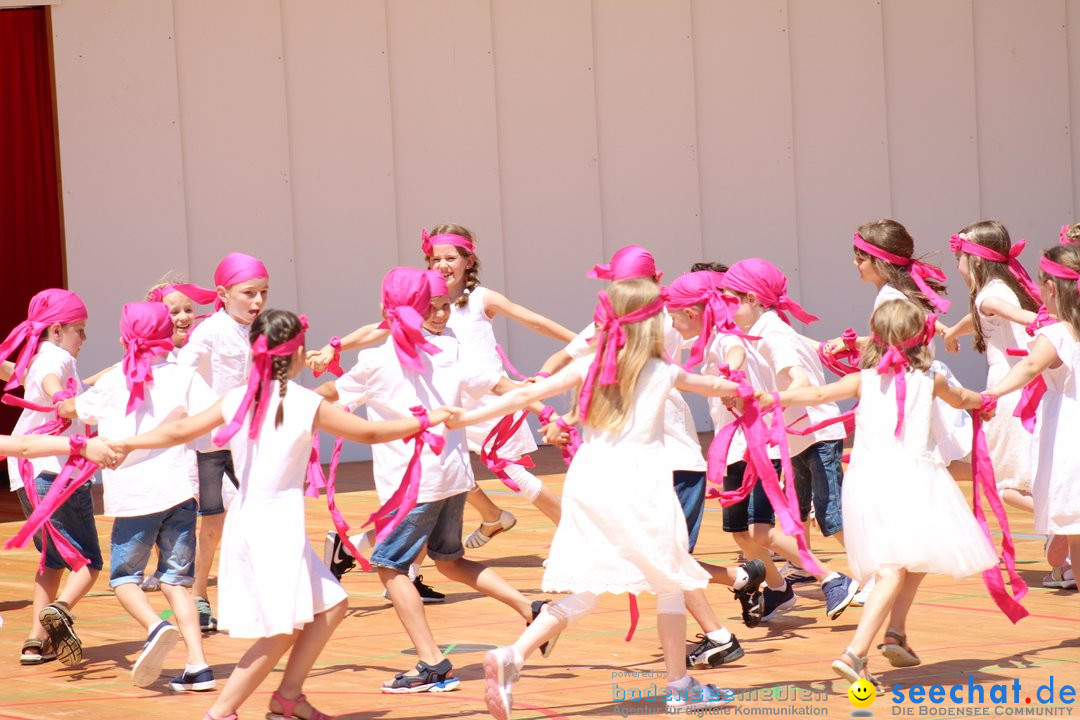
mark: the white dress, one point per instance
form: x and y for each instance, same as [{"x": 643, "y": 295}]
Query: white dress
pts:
[
  {"x": 270, "y": 580},
  {"x": 473, "y": 329},
  {"x": 1056, "y": 487},
  {"x": 622, "y": 528},
  {"x": 901, "y": 507},
  {"x": 1009, "y": 443}
]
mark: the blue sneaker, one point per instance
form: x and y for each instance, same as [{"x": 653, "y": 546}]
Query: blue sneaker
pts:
[
  {"x": 147, "y": 667},
  {"x": 697, "y": 696},
  {"x": 838, "y": 594},
  {"x": 777, "y": 602},
  {"x": 199, "y": 681}
]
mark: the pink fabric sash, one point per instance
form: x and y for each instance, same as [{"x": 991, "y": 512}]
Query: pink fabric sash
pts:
[
  {"x": 920, "y": 271},
  {"x": 316, "y": 481},
  {"x": 146, "y": 329},
  {"x": 765, "y": 280},
  {"x": 262, "y": 364},
  {"x": 500, "y": 433},
  {"x": 983, "y": 482},
  {"x": 50, "y": 427},
  {"x": 1042, "y": 319},
  {"x": 401, "y": 503},
  {"x": 842, "y": 362},
  {"x": 629, "y": 262},
  {"x": 236, "y": 268},
  {"x": 507, "y": 364},
  {"x": 1028, "y": 405},
  {"x": 197, "y": 293},
  {"x": 428, "y": 242},
  {"x": 1053, "y": 269},
  {"x": 610, "y": 338},
  {"x": 334, "y": 366},
  {"x": 406, "y": 299},
  {"x": 571, "y": 448},
  {"x": 960, "y": 243},
  {"x": 46, "y": 308},
  {"x": 634, "y": 615},
  {"x": 718, "y": 315}
]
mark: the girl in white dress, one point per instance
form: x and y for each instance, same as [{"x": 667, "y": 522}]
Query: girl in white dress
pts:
[
  {"x": 618, "y": 500},
  {"x": 904, "y": 515},
  {"x": 1056, "y": 355},
  {"x": 273, "y": 585}
]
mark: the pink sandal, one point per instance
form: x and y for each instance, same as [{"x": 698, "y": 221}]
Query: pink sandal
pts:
[{"x": 287, "y": 707}]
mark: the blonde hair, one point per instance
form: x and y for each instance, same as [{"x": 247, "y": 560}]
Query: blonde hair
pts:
[
  {"x": 472, "y": 274},
  {"x": 897, "y": 323},
  {"x": 1068, "y": 293},
  {"x": 170, "y": 278},
  {"x": 1072, "y": 234},
  {"x": 612, "y": 405}
]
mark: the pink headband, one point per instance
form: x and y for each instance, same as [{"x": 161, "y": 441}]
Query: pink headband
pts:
[
  {"x": 704, "y": 287},
  {"x": 237, "y": 268},
  {"x": 47, "y": 307},
  {"x": 920, "y": 271},
  {"x": 436, "y": 283},
  {"x": 629, "y": 262},
  {"x": 895, "y": 360},
  {"x": 960, "y": 243},
  {"x": 428, "y": 242},
  {"x": 146, "y": 328},
  {"x": 610, "y": 338},
  {"x": 1053, "y": 269},
  {"x": 766, "y": 281},
  {"x": 262, "y": 368},
  {"x": 406, "y": 299},
  {"x": 1064, "y": 239},
  {"x": 196, "y": 293}
]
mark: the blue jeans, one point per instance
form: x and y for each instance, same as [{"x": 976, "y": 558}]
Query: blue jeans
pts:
[
  {"x": 755, "y": 509},
  {"x": 133, "y": 538},
  {"x": 690, "y": 487},
  {"x": 819, "y": 474},
  {"x": 213, "y": 467},
  {"x": 74, "y": 520},
  {"x": 437, "y": 523}
]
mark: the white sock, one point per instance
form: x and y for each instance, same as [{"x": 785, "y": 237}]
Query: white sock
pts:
[
  {"x": 830, "y": 576},
  {"x": 414, "y": 570},
  {"x": 741, "y": 577},
  {"x": 680, "y": 684},
  {"x": 722, "y": 636},
  {"x": 192, "y": 669}
]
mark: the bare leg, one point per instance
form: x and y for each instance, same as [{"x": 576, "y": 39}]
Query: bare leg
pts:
[
  {"x": 549, "y": 503},
  {"x": 697, "y": 604},
  {"x": 786, "y": 545},
  {"x": 719, "y": 574},
  {"x": 753, "y": 549},
  {"x": 187, "y": 621},
  {"x": 672, "y": 630},
  {"x": 309, "y": 643},
  {"x": 46, "y": 585},
  {"x": 481, "y": 503},
  {"x": 410, "y": 611},
  {"x": 134, "y": 601},
  {"x": 877, "y": 608},
  {"x": 904, "y": 600},
  {"x": 1019, "y": 499},
  {"x": 486, "y": 580},
  {"x": 77, "y": 585},
  {"x": 1074, "y": 552},
  {"x": 253, "y": 668},
  {"x": 210, "y": 527},
  {"x": 546, "y": 626}
]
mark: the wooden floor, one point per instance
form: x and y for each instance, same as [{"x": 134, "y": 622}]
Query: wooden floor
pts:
[{"x": 954, "y": 627}]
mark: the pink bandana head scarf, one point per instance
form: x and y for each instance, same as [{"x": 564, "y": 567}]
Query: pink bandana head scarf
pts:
[
  {"x": 236, "y": 268},
  {"x": 198, "y": 294},
  {"x": 262, "y": 375},
  {"x": 428, "y": 242},
  {"x": 406, "y": 299},
  {"x": 632, "y": 261},
  {"x": 610, "y": 338},
  {"x": 436, "y": 283},
  {"x": 718, "y": 315},
  {"x": 47, "y": 307},
  {"x": 960, "y": 243},
  {"x": 920, "y": 271},
  {"x": 766, "y": 281},
  {"x": 894, "y": 360},
  {"x": 146, "y": 328}
]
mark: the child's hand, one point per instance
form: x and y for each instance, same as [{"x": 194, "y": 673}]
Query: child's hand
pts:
[
  {"x": 317, "y": 360},
  {"x": 448, "y": 415},
  {"x": 952, "y": 340},
  {"x": 555, "y": 435},
  {"x": 765, "y": 400},
  {"x": 987, "y": 406},
  {"x": 99, "y": 452},
  {"x": 833, "y": 346}
]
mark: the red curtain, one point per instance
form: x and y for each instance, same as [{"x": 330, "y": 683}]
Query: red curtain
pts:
[{"x": 30, "y": 238}]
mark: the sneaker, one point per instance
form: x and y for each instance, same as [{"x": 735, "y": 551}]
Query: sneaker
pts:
[
  {"x": 752, "y": 601},
  {"x": 1060, "y": 577},
  {"x": 537, "y": 606},
  {"x": 147, "y": 668},
  {"x": 150, "y": 583},
  {"x": 777, "y": 602},
  {"x": 428, "y": 678},
  {"x": 199, "y": 681},
  {"x": 336, "y": 557},
  {"x": 500, "y": 674},
  {"x": 207, "y": 621},
  {"x": 697, "y": 696},
  {"x": 59, "y": 623},
  {"x": 864, "y": 593},
  {"x": 795, "y": 574},
  {"x": 838, "y": 594},
  {"x": 709, "y": 653},
  {"x": 428, "y": 594}
]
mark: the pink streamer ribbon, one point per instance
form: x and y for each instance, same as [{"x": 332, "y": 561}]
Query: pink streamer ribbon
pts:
[
  {"x": 1028, "y": 406},
  {"x": 959, "y": 243},
  {"x": 635, "y": 613},
  {"x": 498, "y": 437},
  {"x": 1042, "y": 319},
  {"x": 317, "y": 481},
  {"x": 201, "y": 295},
  {"x": 920, "y": 271},
  {"x": 844, "y": 361},
  {"x": 334, "y": 366},
  {"x": 507, "y": 364}
]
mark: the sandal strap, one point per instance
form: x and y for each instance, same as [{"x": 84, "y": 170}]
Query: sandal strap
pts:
[
  {"x": 33, "y": 644},
  {"x": 900, "y": 637},
  {"x": 287, "y": 705}
]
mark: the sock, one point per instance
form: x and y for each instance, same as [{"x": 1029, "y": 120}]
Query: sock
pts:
[
  {"x": 741, "y": 577},
  {"x": 782, "y": 588},
  {"x": 722, "y": 636},
  {"x": 830, "y": 576},
  {"x": 414, "y": 570},
  {"x": 192, "y": 669},
  {"x": 680, "y": 684}
]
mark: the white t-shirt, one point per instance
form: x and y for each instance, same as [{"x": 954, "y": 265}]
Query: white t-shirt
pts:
[
  {"x": 379, "y": 381},
  {"x": 757, "y": 374},
  {"x": 219, "y": 349},
  {"x": 148, "y": 481},
  {"x": 782, "y": 348},
  {"x": 50, "y": 360}
]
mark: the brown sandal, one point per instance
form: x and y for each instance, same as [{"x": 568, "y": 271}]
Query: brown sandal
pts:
[
  {"x": 899, "y": 654},
  {"x": 36, "y": 652},
  {"x": 852, "y": 668}
]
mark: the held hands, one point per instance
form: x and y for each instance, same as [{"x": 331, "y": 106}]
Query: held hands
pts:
[
  {"x": 765, "y": 400},
  {"x": 952, "y": 340},
  {"x": 833, "y": 346},
  {"x": 317, "y": 360},
  {"x": 444, "y": 415},
  {"x": 555, "y": 435},
  {"x": 104, "y": 453}
]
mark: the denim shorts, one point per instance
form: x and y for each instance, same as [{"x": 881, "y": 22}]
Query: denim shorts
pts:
[
  {"x": 437, "y": 523},
  {"x": 74, "y": 520},
  {"x": 133, "y": 538},
  {"x": 690, "y": 487},
  {"x": 755, "y": 509},
  {"x": 213, "y": 467},
  {"x": 819, "y": 476}
]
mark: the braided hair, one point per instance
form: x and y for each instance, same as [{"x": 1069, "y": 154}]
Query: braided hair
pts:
[{"x": 278, "y": 326}]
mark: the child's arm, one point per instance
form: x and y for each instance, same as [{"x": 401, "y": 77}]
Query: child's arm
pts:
[
  {"x": 843, "y": 389},
  {"x": 361, "y": 337},
  {"x": 7, "y": 369},
  {"x": 506, "y": 385},
  {"x": 92, "y": 380},
  {"x": 707, "y": 385},
  {"x": 837, "y": 344},
  {"x": 496, "y": 303},
  {"x": 958, "y": 397},
  {"x": 1042, "y": 356},
  {"x": 33, "y": 446},
  {"x": 556, "y": 362},
  {"x": 66, "y": 409},
  {"x": 952, "y": 335},
  {"x": 175, "y": 432},
  {"x": 518, "y": 398},
  {"x": 793, "y": 378},
  {"x": 337, "y": 421},
  {"x": 1005, "y": 309},
  {"x": 328, "y": 390}
]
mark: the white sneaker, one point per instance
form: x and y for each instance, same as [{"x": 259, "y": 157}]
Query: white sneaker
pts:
[
  {"x": 500, "y": 674},
  {"x": 147, "y": 667}
]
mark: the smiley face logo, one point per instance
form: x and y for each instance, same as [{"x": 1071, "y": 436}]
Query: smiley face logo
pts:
[{"x": 862, "y": 694}]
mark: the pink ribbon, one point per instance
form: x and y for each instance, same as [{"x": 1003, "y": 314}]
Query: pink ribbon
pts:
[
  {"x": 499, "y": 435},
  {"x": 406, "y": 299},
  {"x": 1062, "y": 272},
  {"x": 401, "y": 503},
  {"x": 316, "y": 481},
  {"x": 428, "y": 242},
  {"x": 146, "y": 329},
  {"x": 634, "y": 615},
  {"x": 769, "y": 284},
  {"x": 845, "y": 361},
  {"x": 507, "y": 364},
  {"x": 46, "y": 308},
  {"x": 983, "y": 482},
  {"x": 334, "y": 366},
  {"x": 610, "y": 338},
  {"x": 235, "y": 268},
  {"x": 262, "y": 364},
  {"x": 571, "y": 448},
  {"x": 197, "y": 293},
  {"x": 1042, "y": 319},
  {"x": 959, "y": 243},
  {"x": 894, "y": 360},
  {"x": 1028, "y": 405},
  {"x": 920, "y": 271},
  {"x": 628, "y": 262}
]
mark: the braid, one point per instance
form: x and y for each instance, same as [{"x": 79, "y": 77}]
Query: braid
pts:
[
  {"x": 281, "y": 369},
  {"x": 472, "y": 281}
]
